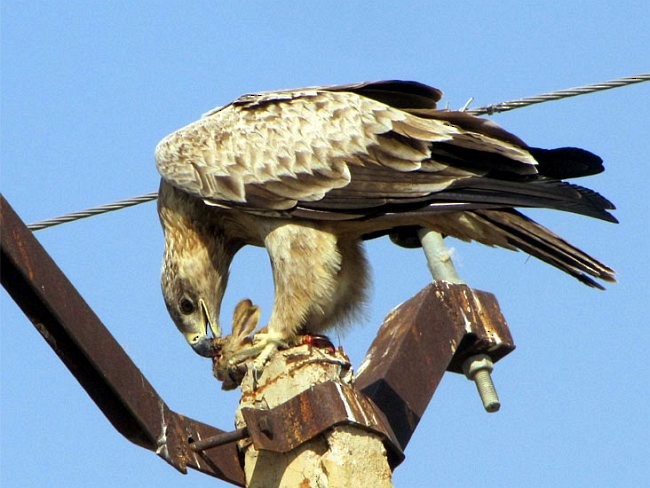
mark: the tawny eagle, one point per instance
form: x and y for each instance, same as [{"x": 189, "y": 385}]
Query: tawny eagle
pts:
[{"x": 311, "y": 173}]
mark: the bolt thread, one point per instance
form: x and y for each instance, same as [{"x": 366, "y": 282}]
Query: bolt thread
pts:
[{"x": 486, "y": 390}]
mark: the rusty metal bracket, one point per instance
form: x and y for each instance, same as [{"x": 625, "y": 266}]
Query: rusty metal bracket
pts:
[
  {"x": 433, "y": 332},
  {"x": 98, "y": 362},
  {"x": 314, "y": 411},
  {"x": 308, "y": 415}
]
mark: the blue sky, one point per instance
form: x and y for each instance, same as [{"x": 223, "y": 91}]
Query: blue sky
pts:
[{"x": 89, "y": 88}]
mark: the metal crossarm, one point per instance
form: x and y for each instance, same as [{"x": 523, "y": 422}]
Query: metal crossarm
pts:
[{"x": 98, "y": 362}]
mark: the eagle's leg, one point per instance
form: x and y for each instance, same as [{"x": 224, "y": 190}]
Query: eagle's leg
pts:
[
  {"x": 319, "y": 279},
  {"x": 267, "y": 343}
]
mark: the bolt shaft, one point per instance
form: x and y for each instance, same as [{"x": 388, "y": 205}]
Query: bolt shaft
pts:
[
  {"x": 219, "y": 439},
  {"x": 486, "y": 390},
  {"x": 477, "y": 368}
]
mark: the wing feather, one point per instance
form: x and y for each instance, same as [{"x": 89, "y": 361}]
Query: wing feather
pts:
[
  {"x": 380, "y": 154},
  {"x": 365, "y": 147}
]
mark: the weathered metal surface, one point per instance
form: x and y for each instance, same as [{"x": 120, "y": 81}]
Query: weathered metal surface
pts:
[
  {"x": 312, "y": 412},
  {"x": 222, "y": 462},
  {"x": 98, "y": 362},
  {"x": 220, "y": 439},
  {"x": 486, "y": 330},
  {"x": 433, "y": 332}
]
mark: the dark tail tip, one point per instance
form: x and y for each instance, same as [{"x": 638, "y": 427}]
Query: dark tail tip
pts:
[{"x": 566, "y": 162}]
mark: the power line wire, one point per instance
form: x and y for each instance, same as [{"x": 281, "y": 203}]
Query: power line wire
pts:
[
  {"x": 488, "y": 109},
  {"x": 559, "y": 94},
  {"x": 129, "y": 202}
]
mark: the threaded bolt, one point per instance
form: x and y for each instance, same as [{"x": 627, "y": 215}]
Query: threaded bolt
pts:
[{"x": 478, "y": 368}]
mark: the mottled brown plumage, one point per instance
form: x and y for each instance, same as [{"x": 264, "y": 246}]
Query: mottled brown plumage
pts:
[{"x": 310, "y": 173}]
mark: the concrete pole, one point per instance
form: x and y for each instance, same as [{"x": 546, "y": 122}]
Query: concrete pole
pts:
[{"x": 343, "y": 456}]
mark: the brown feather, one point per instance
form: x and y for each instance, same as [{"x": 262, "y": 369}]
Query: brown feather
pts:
[{"x": 310, "y": 173}]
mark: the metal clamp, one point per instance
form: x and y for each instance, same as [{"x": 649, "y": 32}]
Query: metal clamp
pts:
[{"x": 308, "y": 415}]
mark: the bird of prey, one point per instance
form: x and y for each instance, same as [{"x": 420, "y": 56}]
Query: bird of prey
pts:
[{"x": 311, "y": 173}]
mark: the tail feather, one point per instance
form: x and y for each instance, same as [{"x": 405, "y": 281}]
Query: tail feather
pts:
[
  {"x": 566, "y": 162},
  {"x": 553, "y": 194},
  {"x": 531, "y": 237}
]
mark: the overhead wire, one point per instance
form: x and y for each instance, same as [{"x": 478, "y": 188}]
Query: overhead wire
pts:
[
  {"x": 109, "y": 207},
  {"x": 485, "y": 110},
  {"x": 559, "y": 94}
]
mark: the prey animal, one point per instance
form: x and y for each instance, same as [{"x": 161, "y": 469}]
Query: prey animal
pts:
[{"x": 311, "y": 173}]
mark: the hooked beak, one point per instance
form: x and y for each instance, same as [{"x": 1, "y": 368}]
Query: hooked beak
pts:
[{"x": 202, "y": 343}]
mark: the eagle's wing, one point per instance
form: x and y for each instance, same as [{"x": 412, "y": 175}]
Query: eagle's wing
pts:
[
  {"x": 383, "y": 150},
  {"x": 353, "y": 150}
]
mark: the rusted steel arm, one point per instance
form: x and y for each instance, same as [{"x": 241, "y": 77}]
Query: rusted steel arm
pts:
[
  {"x": 98, "y": 362},
  {"x": 433, "y": 332}
]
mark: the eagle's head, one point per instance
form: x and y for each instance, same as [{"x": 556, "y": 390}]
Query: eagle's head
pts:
[
  {"x": 194, "y": 311},
  {"x": 194, "y": 272}
]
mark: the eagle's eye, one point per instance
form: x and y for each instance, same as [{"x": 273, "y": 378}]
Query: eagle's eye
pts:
[{"x": 186, "y": 306}]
